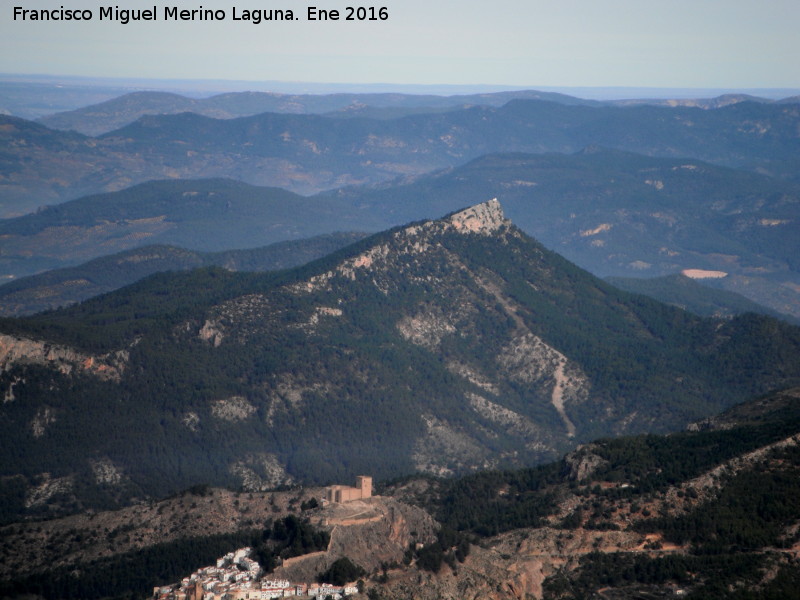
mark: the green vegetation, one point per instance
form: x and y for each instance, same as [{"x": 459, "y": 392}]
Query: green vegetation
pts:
[
  {"x": 653, "y": 463},
  {"x": 334, "y": 388},
  {"x": 451, "y": 547},
  {"x": 491, "y": 502},
  {"x": 624, "y": 570},
  {"x": 342, "y": 571},
  {"x": 215, "y": 217},
  {"x": 669, "y": 199},
  {"x": 753, "y": 510},
  {"x": 288, "y": 537},
  {"x": 58, "y": 287},
  {"x": 704, "y": 300},
  {"x": 735, "y": 535}
]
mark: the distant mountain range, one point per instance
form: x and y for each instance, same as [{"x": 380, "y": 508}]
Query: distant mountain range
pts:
[
  {"x": 614, "y": 213},
  {"x": 115, "y": 113},
  {"x": 224, "y": 330},
  {"x": 209, "y": 215},
  {"x": 309, "y": 153},
  {"x": 35, "y": 96},
  {"x": 442, "y": 347}
]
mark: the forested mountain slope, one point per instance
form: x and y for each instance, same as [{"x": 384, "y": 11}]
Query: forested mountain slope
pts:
[
  {"x": 704, "y": 514},
  {"x": 442, "y": 347},
  {"x": 209, "y": 215}
]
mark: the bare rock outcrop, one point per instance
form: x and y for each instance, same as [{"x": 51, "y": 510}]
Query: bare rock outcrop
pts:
[
  {"x": 16, "y": 350},
  {"x": 482, "y": 219},
  {"x": 370, "y": 533},
  {"x": 583, "y": 462},
  {"x": 485, "y": 218},
  {"x": 233, "y": 409},
  {"x": 260, "y": 471}
]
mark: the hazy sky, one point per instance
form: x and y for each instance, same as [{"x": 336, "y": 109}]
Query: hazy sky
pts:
[{"x": 656, "y": 43}]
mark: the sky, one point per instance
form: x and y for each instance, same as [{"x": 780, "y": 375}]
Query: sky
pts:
[{"x": 734, "y": 44}]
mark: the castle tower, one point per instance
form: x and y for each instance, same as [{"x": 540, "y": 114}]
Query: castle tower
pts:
[{"x": 364, "y": 483}]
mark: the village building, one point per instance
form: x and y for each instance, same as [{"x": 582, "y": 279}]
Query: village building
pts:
[{"x": 235, "y": 577}]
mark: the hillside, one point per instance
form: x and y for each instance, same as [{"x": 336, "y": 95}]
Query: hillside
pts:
[
  {"x": 708, "y": 513},
  {"x": 208, "y": 215},
  {"x": 62, "y": 287},
  {"x": 607, "y": 209},
  {"x": 689, "y": 294},
  {"x": 441, "y": 347},
  {"x": 621, "y": 214},
  {"x": 42, "y": 166},
  {"x": 749, "y": 135},
  {"x": 310, "y": 153}
]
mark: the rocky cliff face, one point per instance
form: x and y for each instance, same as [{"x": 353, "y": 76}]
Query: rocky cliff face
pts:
[
  {"x": 371, "y": 533},
  {"x": 19, "y": 350},
  {"x": 486, "y": 218}
]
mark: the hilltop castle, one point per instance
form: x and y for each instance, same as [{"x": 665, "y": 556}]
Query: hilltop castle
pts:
[{"x": 343, "y": 493}]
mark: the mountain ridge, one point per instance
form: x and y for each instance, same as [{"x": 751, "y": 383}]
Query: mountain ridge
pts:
[
  {"x": 689, "y": 294},
  {"x": 61, "y": 287},
  {"x": 117, "y": 112},
  {"x": 208, "y": 215},
  {"x": 310, "y": 153},
  {"x": 114, "y": 113},
  {"x": 615, "y": 213},
  {"x": 441, "y": 346}
]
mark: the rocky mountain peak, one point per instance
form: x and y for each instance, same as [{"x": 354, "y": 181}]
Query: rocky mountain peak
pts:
[{"x": 484, "y": 218}]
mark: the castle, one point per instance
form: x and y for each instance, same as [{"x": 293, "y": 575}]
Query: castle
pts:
[{"x": 343, "y": 493}]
